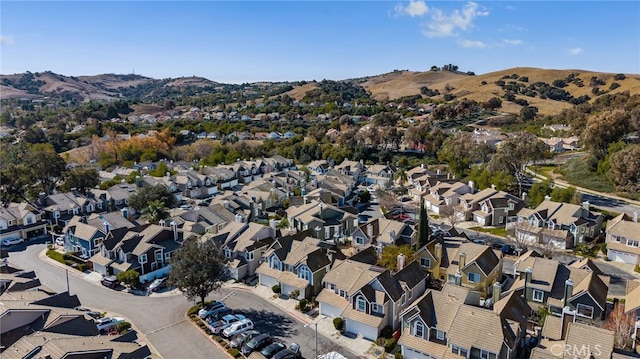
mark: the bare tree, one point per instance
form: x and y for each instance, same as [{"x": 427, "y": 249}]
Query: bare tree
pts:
[
  {"x": 622, "y": 324},
  {"x": 449, "y": 213}
]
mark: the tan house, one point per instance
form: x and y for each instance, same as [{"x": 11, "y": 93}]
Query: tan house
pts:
[
  {"x": 470, "y": 202},
  {"x": 446, "y": 195},
  {"x": 381, "y": 232},
  {"x": 451, "y": 324},
  {"x": 623, "y": 239},
  {"x": 244, "y": 245},
  {"x": 563, "y": 337},
  {"x": 21, "y": 220},
  {"x": 562, "y": 225},
  {"x": 368, "y": 297},
  {"x": 498, "y": 210},
  {"x": 327, "y": 222},
  {"x": 460, "y": 262}
]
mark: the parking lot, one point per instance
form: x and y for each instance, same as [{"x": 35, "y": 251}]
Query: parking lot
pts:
[{"x": 272, "y": 320}]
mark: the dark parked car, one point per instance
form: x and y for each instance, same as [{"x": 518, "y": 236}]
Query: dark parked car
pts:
[
  {"x": 238, "y": 340},
  {"x": 508, "y": 249},
  {"x": 271, "y": 349},
  {"x": 292, "y": 353},
  {"x": 256, "y": 343},
  {"x": 110, "y": 281}
]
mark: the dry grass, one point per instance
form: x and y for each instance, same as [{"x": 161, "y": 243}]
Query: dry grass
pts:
[
  {"x": 141, "y": 109},
  {"x": 409, "y": 83},
  {"x": 191, "y": 81},
  {"x": 299, "y": 91}
]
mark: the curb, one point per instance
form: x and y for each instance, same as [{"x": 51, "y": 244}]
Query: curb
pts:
[{"x": 223, "y": 350}]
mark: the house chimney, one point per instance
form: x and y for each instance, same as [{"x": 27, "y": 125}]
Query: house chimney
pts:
[
  {"x": 497, "y": 290},
  {"x": 196, "y": 213},
  {"x": 174, "y": 228},
  {"x": 527, "y": 275},
  {"x": 493, "y": 186},
  {"x": 238, "y": 218},
  {"x": 225, "y": 203},
  {"x": 400, "y": 262},
  {"x": 161, "y": 222},
  {"x": 330, "y": 253},
  {"x": 125, "y": 212},
  {"x": 422, "y": 165},
  {"x": 370, "y": 231},
  {"x": 438, "y": 251},
  {"x": 392, "y": 236},
  {"x": 568, "y": 290},
  {"x": 167, "y": 174},
  {"x": 438, "y": 172},
  {"x": 587, "y": 207},
  {"x": 472, "y": 185},
  {"x": 458, "y": 278},
  {"x": 138, "y": 181},
  {"x": 106, "y": 226},
  {"x": 524, "y": 196},
  {"x": 462, "y": 261},
  {"x": 274, "y": 227},
  {"x": 635, "y": 217},
  {"x": 568, "y": 317},
  {"x": 74, "y": 190},
  {"x": 42, "y": 199},
  {"x": 547, "y": 198}
]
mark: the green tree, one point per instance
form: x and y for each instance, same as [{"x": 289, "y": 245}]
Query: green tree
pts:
[
  {"x": 423, "y": 225},
  {"x": 389, "y": 256},
  {"x": 604, "y": 129},
  {"x": 154, "y": 212},
  {"x": 45, "y": 166},
  {"x": 197, "y": 269},
  {"x": 537, "y": 192},
  {"x": 81, "y": 178},
  {"x": 566, "y": 195},
  {"x": 147, "y": 194},
  {"x": 625, "y": 168},
  {"x": 401, "y": 176},
  {"x": 130, "y": 277}
]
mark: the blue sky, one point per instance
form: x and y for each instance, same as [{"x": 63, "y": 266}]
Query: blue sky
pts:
[{"x": 244, "y": 41}]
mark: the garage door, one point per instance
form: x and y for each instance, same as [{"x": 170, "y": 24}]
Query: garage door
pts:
[
  {"x": 330, "y": 310},
  {"x": 622, "y": 257},
  {"x": 365, "y": 331},
  {"x": 409, "y": 353},
  {"x": 267, "y": 281},
  {"x": 286, "y": 289}
]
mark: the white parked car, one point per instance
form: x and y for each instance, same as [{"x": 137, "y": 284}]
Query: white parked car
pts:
[
  {"x": 238, "y": 327},
  {"x": 11, "y": 241},
  {"x": 108, "y": 322},
  {"x": 225, "y": 322}
]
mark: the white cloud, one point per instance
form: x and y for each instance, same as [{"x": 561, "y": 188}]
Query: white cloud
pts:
[
  {"x": 6, "y": 40},
  {"x": 512, "y": 42},
  {"x": 443, "y": 25},
  {"x": 472, "y": 44},
  {"x": 415, "y": 8},
  {"x": 576, "y": 51}
]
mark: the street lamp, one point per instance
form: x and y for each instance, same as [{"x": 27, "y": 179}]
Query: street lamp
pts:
[{"x": 316, "y": 330}]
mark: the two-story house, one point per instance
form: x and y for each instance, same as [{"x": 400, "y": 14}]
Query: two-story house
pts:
[
  {"x": 354, "y": 169},
  {"x": 21, "y": 220},
  {"x": 470, "y": 202},
  {"x": 277, "y": 163},
  {"x": 581, "y": 340},
  {"x": 327, "y": 222},
  {"x": 580, "y": 287},
  {"x": 61, "y": 207},
  {"x": 379, "y": 174},
  {"x": 381, "y": 232},
  {"x": 460, "y": 262},
  {"x": 223, "y": 178},
  {"x": 623, "y": 239},
  {"x": 498, "y": 210},
  {"x": 297, "y": 265},
  {"x": 450, "y": 323},
  {"x": 369, "y": 298},
  {"x": 115, "y": 197},
  {"x": 446, "y": 195},
  {"x": 562, "y": 225},
  {"x": 632, "y": 307},
  {"x": 319, "y": 167}
]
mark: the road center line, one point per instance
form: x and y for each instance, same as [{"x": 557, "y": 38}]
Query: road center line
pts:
[{"x": 165, "y": 327}]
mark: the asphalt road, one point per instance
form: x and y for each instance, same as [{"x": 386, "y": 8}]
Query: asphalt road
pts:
[{"x": 161, "y": 320}]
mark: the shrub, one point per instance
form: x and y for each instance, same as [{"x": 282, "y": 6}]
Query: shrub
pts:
[
  {"x": 338, "y": 323},
  {"x": 603, "y": 248},
  {"x": 637, "y": 268},
  {"x": 619, "y": 77},
  {"x": 386, "y": 332},
  {"x": 233, "y": 352},
  {"x": 194, "y": 310},
  {"x": 276, "y": 289},
  {"x": 218, "y": 338},
  {"x": 130, "y": 277},
  {"x": 390, "y": 345},
  {"x": 56, "y": 256},
  {"x": 398, "y": 355},
  {"x": 302, "y": 305},
  {"x": 294, "y": 293},
  {"x": 614, "y": 85},
  {"x": 123, "y": 327}
]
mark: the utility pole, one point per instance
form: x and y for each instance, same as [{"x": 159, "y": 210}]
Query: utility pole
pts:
[{"x": 67, "y": 273}]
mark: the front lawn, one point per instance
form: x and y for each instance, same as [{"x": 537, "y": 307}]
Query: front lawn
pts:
[{"x": 502, "y": 232}]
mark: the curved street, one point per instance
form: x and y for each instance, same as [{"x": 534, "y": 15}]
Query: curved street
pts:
[{"x": 160, "y": 320}]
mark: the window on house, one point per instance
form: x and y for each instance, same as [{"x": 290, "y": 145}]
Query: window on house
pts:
[
  {"x": 274, "y": 263},
  {"x": 538, "y": 295},
  {"x": 585, "y": 310},
  {"x": 249, "y": 256},
  {"x": 361, "y": 304},
  {"x": 633, "y": 243},
  {"x": 304, "y": 273},
  {"x": 458, "y": 350},
  {"x": 484, "y": 354},
  {"x": 332, "y": 287},
  {"x": 439, "y": 335},
  {"x": 501, "y": 219},
  {"x": 343, "y": 293},
  {"x": 154, "y": 266},
  {"x": 418, "y": 329},
  {"x": 473, "y": 277},
  {"x": 29, "y": 220},
  {"x": 227, "y": 252},
  {"x": 359, "y": 241},
  {"x": 511, "y": 207},
  {"x": 425, "y": 262},
  {"x": 158, "y": 255},
  {"x": 97, "y": 242},
  {"x": 404, "y": 299},
  {"x": 167, "y": 257},
  {"x": 143, "y": 258},
  {"x": 220, "y": 226}
]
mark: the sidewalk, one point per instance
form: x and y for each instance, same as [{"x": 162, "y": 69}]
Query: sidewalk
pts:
[{"x": 358, "y": 346}]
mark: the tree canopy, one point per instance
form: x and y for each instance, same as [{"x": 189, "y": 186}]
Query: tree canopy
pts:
[
  {"x": 389, "y": 256},
  {"x": 197, "y": 269},
  {"x": 148, "y": 194}
]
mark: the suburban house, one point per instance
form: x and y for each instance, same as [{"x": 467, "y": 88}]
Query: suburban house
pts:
[
  {"x": 193, "y": 184},
  {"x": 470, "y": 202},
  {"x": 207, "y": 219},
  {"x": 265, "y": 194},
  {"x": 337, "y": 182},
  {"x": 297, "y": 265},
  {"x": 369, "y": 298},
  {"x": 224, "y": 178},
  {"x": 380, "y": 174},
  {"x": 446, "y": 195},
  {"x": 420, "y": 186},
  {"x": 83, "y": 238},
  {"x": 623, "y": 239},
  {"x": 632, "y": 306},
  {"x": 327, "y": 222},
  {"x": 458, "y": 261},
  {"x": 21, "y": 220},
  {"x": 580, "y": 287},
  {"x": 243, "y": 244},
  {"x": 277, "y": 163},
  {"x": 115, "y": 197},
  {"x": 581, "y": 340},
  {"x": 319, "y": 167},
  {"x": 562, "y": 225},
  {"x": 381, "y": 232},
  {"x": 61, "y": 207},
  {"x": 451, "y": 324},
  {"x": 353, "y": 169},
  {"x": 498, "y": 210}
]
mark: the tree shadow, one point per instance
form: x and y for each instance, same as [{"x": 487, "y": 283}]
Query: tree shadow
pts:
[{"x": 274, "y": 324}]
